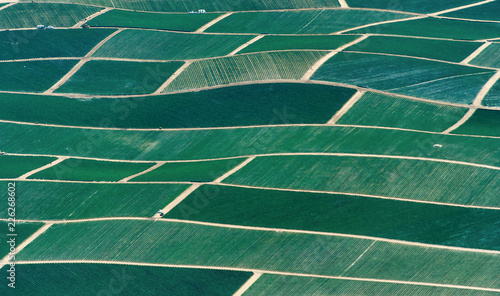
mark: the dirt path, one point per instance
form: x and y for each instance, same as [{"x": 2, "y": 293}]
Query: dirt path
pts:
[
  {"x": 80, "y": 23},
  {"x": 8, "y": 5},
  {"x": 257, "y": 38},
  {"x": 353, "y": 100},
  {"x": 379, "y": 23},
  {"x": 248, "y": 284},
  {"x": 172, "y": 78},
  {"x": 234, "y": 170},
  {"x": 460, "y": 8},
  {"x": 467, "y": 60},
  {"x": 178, "y": 200},
  {"x": 157, "y": 165},
  {"x": 343, "y": 4},
  {"x": 213, "y": 22},
  {"x": 55, "y": 162}
]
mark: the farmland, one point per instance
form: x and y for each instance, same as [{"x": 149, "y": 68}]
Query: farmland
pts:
[{"x": 250, "y": 147}]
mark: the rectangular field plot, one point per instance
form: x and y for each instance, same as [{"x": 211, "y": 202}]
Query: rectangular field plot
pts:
[
  {"x": 104, "y": 279},
  {"x": 219, "y": 143},
  {"x": 453, "y": 51},
  {"x": 26, "y": 44},
  {"x": 489, "y": 57},
  {"x": 119, "y": 78},
  {"x": 30, "y": 15},
  {"x": 290, "y": 252},
  {"x": 248, "y": 67},
  {"x": 91, "y": 170},
  {"x": 134, "y": 19},
  {"x": 487, "y": 11},
  {"x": 270, "y": 43},
  {"x": 401, "y": 178},
  {"x": 139, "y": 44},
  {"x": 381, "y": 110},
  {"x": 57, "y": 201},
  {"x": 14, "y": 166},
  {"x": 301, "y": 22},
  {"x": 22, "y": 231},
  {"x": 483, "y": 122},
  {"x": 202, "y": 171},
  {"x": 444, "y": 225},
  {"x": 270, "y": 284},
  {"x": 420, "y": 6},
  {"x": 439, "y": 28},
  {"x": 426, "y": 79},
  {"x": 27, "y": 76}
]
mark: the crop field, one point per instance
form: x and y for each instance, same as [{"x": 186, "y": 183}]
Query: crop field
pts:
[
  {"x": 140, "y": 44},
  {"x": 250, "y": 147},
  {"x": 134, "y": 19},
  {"x": 301, "y": 22}
]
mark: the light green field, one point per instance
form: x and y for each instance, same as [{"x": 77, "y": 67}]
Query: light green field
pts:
[
  {"x": 208, "y": 144},
  {"x": 401, "y": 178},
  {"x": 30, "y": 15},
  {"x": 90, "y": 170},
  {"x": 57, "y": 201},
  {"x": 489, "y": 56},
  {"x": 15, "y": 166},
  {"x": 178, "y": 243},
  {"x": 26, "y": 44},
  {"x": 380, "y": 110},
  {"x": 248, "y": 67},
  {"x": 119, "y": 78},
  {"x": 106, "y": 279},
  {"x": 453, "y": 51},
  {"x": 301, "y": 22},
  {"x": 269, "y": 43},
  {"x": 483, "y": 122},
  {"x": 134, "y": 19},
  {"x": 428, "y": 79},
  {"x": 422, "y": 6},
  {"x": 139, "y": 44},
  {"x": 487, "y": 11},
  {"x": 21, "y": 230}
]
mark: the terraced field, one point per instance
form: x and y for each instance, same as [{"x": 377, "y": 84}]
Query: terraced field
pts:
[{"x": 250, "y": 147}]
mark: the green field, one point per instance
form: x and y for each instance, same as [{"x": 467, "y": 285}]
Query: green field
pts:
[
  {"x": 248, "y": 67},
  {"x": 27, "y": 44},
  {"x": 256, "y": 104},
  {"x": 15, "y": 166},
  {"x": 90, "y": 170},
  {"x": 208, "y": 144},
  {"x": 453, "y": 51},
  {"x": 178, "y": 243},
  {"x": 270, "y": 284},
  {"x": 140, "y": 44},
  {"x": 483, "y": 122},
  {"x": 22, "y": 231},
  {"x": 108, "y": 279},
  {"x": 41, "y": 75},
  {"x": 134, "y": 19},
  {"x": 119, "y": 78},
  {"x": 444, "y": 225},
  {"x": 301, "y": 22},
  {"x": 439, "y": 28},
  {"x": 270, "y": 43},
  {"x": 203, "y": 171},
  {"x": 488, "y": 11},
  {"x": 421, "y": 6},
  {"x": 390, "y": 111},
  {"x": 492, "y": 98},
  {"x": 57, "y": 201},
  {"x": 29, "y": 15},
  {"x": 401, "y": 178},
  {"x": 488, "y": 57},
  {"x": 429, "y": 79}
]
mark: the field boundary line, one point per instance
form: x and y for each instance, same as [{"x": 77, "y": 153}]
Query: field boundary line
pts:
[
  {"x": 477, "y": 102},
  {"x": 309, "y": 275},
  {"x": 55, "y": 162},
  {"x": 310, "y": 72},
  {"x": 234, "y": 170},
  {"x": 80, "y": 23},
  {"x": 27, "y": 241},
  {"x": 460, "y": 8},
  {"x": 248, "y": 284},
  {"x": 359, "y": 257},
  {"x": 81, "y": 63},
  {"x": 213, "y": 22},
  {"x": 347, "y": 106},
  {"x": 157, "y": 165},
  {"x": 178, "y": 200},
  {"x": 380, "y": 23},
  {"x": 8, "y": 5},
  {"x": 172, "y": 78},
  {"x": 343, "y": 4},
  {"x": 473, "y": 55},
  {"x": 253, "y": 40}
]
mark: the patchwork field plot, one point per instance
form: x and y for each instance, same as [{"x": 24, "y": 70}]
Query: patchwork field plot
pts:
[
  {"x": 489, "y": 56},
  {"x": 140, "y": 44},
  {"x": 30, "y": 15},
  {"x": 270, "y": 43},
  {"x": 248, "y": 67},
  {"x": 401, "y": 113},
  {"x": 434, "y": 80},
  {"x": 15, "y": 166},
  {"x": 482, "y": 122},
  {"x": 421, "y": 6},
  {"x": 301, "y": 22},
  {"x": 27, "y": 44},
  {"x": 22, "y": 231},
  {"x": 401, "y": 178},
  {"x": 488, "y": 11},
  {"x": 118, "y": 78},
  {"x": 54, "y": 200},
  {"x": 134, "y": 19},
  {"x": 14, "y": 75}
]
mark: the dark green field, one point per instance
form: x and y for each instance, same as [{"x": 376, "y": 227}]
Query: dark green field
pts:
[
  {"x": 15, "y": 166},
  {"x": 482, "y": 122}
]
